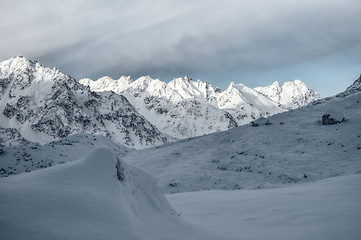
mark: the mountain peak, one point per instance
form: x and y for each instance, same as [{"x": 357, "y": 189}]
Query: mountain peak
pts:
[
  {"x": 188, "y": 79},
  {"x": 18, "y": 63},
  {"x": 298, "y": 81},
  {"x": 290, "y": 95},
  {"x": 275, "y": 83}
]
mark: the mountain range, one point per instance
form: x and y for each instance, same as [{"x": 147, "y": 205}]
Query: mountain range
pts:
[
  {"x": 67, "y": 153},
  {"x": 39, "y": 104},
  {"x": 184, "y": 108}
]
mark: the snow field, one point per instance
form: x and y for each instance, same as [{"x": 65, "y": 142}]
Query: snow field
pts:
[{"x": 327, "y": 209}]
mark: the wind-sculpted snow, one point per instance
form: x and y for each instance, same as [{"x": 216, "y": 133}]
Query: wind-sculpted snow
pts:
[
  {"x": 96, "y": 197},
  {"x": 287, "y": 148},
  {"x": 43, "y": 104}
]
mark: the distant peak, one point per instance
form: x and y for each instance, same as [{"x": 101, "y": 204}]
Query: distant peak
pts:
[
  {"x": 187, "y": 78},
  {"x": 217, "y": 90},
  {"x": 275, "y": 83},
  {"x": 19, "y": 59},
  {"x": 106, "y": 78},
  {"x": 146, "y": 79}
]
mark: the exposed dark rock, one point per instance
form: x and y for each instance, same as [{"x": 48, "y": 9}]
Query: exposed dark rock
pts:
[{"x": 332, "y": 117}]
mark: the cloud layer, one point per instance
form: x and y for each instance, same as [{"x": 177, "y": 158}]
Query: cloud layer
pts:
[{"x": 167, "y": 38}]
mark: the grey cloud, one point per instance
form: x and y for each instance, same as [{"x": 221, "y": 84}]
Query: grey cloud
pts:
[{"x": 165, "y": 38}]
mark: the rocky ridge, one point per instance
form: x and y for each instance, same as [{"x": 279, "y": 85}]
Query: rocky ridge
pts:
[{"x": 39, "y": 104}]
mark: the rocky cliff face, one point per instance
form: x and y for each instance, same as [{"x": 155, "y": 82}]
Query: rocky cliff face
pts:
[{"x": 41, "y": 104}]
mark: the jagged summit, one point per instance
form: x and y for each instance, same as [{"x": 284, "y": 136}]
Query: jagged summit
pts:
[
  {"x": 290, "y": 95},
  {"x": 22, "y": 64}
]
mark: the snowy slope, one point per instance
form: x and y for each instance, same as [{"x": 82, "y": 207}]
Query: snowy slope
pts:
[
  {"x": 95, "y": 197},
  {"x": 39, "y": 104},
  {"x": 327, "y": 209},
  {"x": 290, "y": 95},
  {"x": 354, "y": 88},
  {"x": 286, "y": 148}
]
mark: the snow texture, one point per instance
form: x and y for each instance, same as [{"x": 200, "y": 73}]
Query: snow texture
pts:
[
  {"x": 328, "y": 209},
  {"x": 86, "y": 199}
]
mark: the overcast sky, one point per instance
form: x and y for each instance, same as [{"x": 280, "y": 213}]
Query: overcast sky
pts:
[{"x": 254, "y": 42}]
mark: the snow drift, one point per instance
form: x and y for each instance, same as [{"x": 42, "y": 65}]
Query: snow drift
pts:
[{"x": 96, "y": 197}]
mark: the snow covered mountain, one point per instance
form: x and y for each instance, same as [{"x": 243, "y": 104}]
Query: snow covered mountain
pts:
[
  {"x": 287, "y": 148},
  {"x": 290, "y": 95},
  {"x": 39, "y": 104},
  {"x": 185, "y": 108},
  {"x": 180, "y": 109}
]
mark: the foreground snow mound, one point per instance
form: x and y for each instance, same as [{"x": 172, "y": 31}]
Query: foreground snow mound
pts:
[{"x": 96, "y": 197}]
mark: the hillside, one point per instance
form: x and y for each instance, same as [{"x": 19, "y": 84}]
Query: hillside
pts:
[{"x": 287, "y": 148}]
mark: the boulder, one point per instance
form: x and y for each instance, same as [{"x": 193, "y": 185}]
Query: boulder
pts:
[{"x": 332, "y": 117}]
